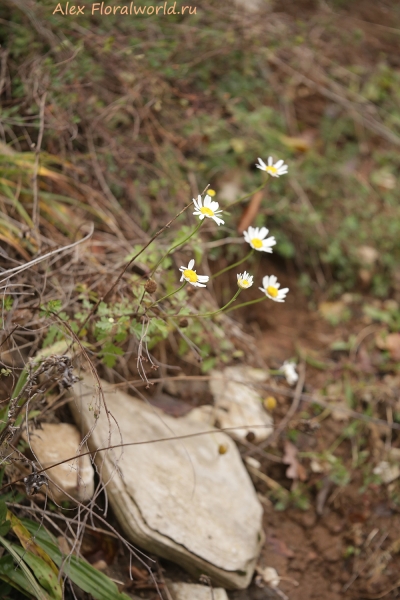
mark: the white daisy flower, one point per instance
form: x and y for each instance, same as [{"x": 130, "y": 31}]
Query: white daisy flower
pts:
[
  {"x": 207, "y": 208},
  {"x": 289, "y": 370},
  {"x": 191, "y": 276},
  {"x": 271, "y": 289},
  {"x": 244, "y": 281},
  {"x": 275, "y": 170},
  {"x": 255, "y": 236}
]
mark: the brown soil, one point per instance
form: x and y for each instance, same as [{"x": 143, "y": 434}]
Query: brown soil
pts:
[{"x": 349, "y": 550}]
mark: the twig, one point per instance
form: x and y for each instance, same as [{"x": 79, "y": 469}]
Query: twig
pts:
[
  {"x": 35, "y": 210},
  {"x": 9, "y": 335},
  {"x": 107, "y": 192},
  {"x": 271, "y": 483},
  {"x": 35, "y": 261},
  {"x": 118, "y": 279},
  {"x": 367, "y": 562},
  {"x": 356, "y": 109},
  {"x": 145, "y": 442},
  {"x": 385, "y": 593}
]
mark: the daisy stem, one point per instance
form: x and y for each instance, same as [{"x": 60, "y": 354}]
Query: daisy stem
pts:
[
  {"x": 167, "y": 296},
  {"x": 210, "y": 314},
  {"x": 247, "y": 303},
  {"x": 250, "y": 194},
  {"x": 195, "y": 230},
  {"x": 234, "y": 264},
  {"x": 165, "y": 256}
]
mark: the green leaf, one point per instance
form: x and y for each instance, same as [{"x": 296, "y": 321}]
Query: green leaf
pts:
[
  {"x": 110, "y": 353},
  {"x": 42, "y": 571},
  {"x": 3, "y": 510},
  {"x": 20, "y": 383},
  {"x": 13, "y": 577},
  {"x": 4, "y": 523},
  {"x": 377, "y": 314},
  {"x": 28, "y": 583},
  {"x": 103, "y": 309},
  {"x": 5, "y": 527},
  {"x": 85, "y": 576},
  {"x": 161, "y": 326},
  {"x": 28, "y": 541}
]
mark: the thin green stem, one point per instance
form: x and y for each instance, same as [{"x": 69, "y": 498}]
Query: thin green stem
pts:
[
  {"x": 234, "y": 264},
  {"x": 250, "y": 194},
  {"x": 167, "y": 296},
  {"x": 195, "y": 230},
  {"x": 247, "y": 303},
  {"x": 211, "y": 314}
]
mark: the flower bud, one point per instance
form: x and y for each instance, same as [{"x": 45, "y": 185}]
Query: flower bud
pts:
[
  {"x": 270, "y": 403},
  {"x": 150, "y": 286}
]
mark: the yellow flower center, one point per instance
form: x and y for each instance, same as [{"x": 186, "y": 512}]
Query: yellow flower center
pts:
[
  {"x": 211, "y": 192},
  {"x": 272, "y": 291},
  {"x": 257, "y": 243},
  {"x": 272, "y": 170},
  {"x": 207, "y": 211},
  {"x": 190, "y": 275},
  {"x": 243, "y": 283}
]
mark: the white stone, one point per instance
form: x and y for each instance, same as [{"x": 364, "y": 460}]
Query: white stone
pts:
[
  {"x": 238, "y": 403},
  {"x": 181, "y": 499},
  {"x": 53, "y": 443},
  {"x": 194, "y": 591},
  {"x": 270, "y": 576}
]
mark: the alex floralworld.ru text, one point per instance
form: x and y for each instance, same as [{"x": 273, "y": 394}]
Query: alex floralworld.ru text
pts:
[{"x": 98, "y": 8}]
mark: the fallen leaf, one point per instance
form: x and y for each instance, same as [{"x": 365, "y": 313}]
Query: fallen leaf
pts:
[
  {"x": 295, "y": 470},
  {"x": 393, "y": 345},
  {"x": 389, "y": 342},
  {"x": 250, "y": 212}
]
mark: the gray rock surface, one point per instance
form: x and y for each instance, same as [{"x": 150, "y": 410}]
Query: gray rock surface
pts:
[
  {"x": 237, "y": 402},
  {"x": 53, "y": 443},
  {"x": 180, "y": 499},
  {"x": 193, "y": 591}
]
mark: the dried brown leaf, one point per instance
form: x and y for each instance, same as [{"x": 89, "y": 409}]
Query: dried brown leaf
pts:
[
  {"x": 295, "y": 470},
  {"x": 250, "y": 212}
]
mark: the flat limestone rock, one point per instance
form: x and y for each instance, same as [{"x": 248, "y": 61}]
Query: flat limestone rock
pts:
[
  {"x": 180, "y": 499},
  {"x": 193, "y": 591},
  {"x": 53, "y": 443},
  {"x": 237, "y": 402}
]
